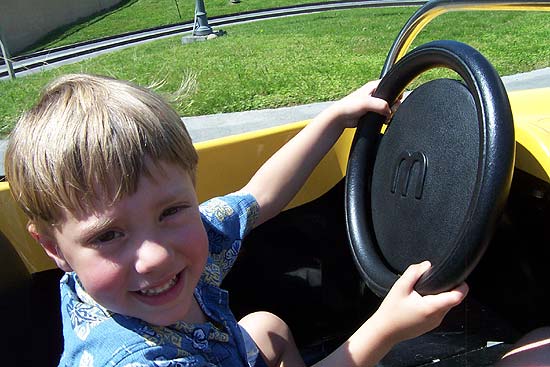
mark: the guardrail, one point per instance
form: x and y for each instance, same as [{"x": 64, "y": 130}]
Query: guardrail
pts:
[{"x": 6, "y": 56}]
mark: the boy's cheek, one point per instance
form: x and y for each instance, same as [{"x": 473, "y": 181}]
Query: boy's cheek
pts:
[
  {"x": 197, "y": 248},
  {"x": 103, "y": 283}
]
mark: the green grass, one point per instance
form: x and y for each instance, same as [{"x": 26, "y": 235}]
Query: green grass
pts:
[
  {"x": 295, "y": 60},
  {"x": 134, "y": 15}
]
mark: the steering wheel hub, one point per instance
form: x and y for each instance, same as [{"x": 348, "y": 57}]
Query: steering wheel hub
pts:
[{"x": 433, "y": 185}]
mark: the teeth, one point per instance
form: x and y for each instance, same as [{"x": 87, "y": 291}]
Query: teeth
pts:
[{"x": 158, "y": 290}]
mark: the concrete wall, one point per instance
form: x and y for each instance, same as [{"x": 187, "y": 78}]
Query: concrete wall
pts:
[{"x": 23, "y": 22}]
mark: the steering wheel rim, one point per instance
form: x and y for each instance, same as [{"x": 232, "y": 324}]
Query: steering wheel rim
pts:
[{"x": 495, "y": 167}]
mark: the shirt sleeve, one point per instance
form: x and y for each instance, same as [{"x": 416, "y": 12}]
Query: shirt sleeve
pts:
[{"x": 227, "y": 220}]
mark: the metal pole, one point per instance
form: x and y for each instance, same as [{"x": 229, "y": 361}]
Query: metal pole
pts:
[
  {"x": 6, "y": 56},
  {"x": 201, "y": 27},
  {"x": 177, "y": 7}
]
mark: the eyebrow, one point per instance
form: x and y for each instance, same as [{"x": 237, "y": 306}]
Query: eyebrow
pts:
[
  {"x": 91, "y": 230},
  {"x": 176, "y": 194}
]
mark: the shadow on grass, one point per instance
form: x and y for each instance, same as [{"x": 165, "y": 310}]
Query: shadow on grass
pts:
[{"x": 66, "y": 31}]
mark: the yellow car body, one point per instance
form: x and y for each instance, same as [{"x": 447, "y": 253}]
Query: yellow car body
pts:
[{"x": 227, "y": 163}]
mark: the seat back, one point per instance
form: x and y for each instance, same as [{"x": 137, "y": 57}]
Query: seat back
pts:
[
  {"x": 15, "y": 299},
  {"x": 30, "y": 308}
]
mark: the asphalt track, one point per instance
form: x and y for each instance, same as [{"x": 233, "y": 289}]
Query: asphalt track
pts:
[{"x": 51, "y": 58}]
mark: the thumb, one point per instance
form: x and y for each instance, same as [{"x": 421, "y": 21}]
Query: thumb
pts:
[
  {"x": 413, "y": 273},
  {"x": 380, "y": 106}
]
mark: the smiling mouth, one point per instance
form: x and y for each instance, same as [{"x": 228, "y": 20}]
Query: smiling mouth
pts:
[{"x": 160, "y": 289}]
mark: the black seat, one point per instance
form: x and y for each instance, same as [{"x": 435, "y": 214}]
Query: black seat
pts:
[{"x": 29, "y": 304}]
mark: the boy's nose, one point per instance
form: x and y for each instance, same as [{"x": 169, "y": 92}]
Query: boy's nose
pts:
[{"x": 151, "y": 255}]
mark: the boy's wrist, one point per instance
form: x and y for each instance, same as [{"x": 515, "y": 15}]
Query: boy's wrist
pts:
[
  {"x": 370, "y": 342},
  {"x": 383, "y": 325},
  {"x": 334, "y": 116}
]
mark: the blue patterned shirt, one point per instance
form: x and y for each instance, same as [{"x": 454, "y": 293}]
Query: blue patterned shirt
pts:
[{"x": 94, "y": 336}]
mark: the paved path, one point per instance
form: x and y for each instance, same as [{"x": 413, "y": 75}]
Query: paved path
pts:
[{"x": 214, "y": 126}]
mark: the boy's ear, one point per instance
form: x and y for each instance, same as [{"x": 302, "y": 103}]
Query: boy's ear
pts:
[{"x": 48, "y": 243}]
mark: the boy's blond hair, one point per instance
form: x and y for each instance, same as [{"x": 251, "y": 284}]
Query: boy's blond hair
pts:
[{"x": 88, "y": 138}]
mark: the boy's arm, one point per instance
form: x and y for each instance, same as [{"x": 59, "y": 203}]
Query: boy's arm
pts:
[
  {"x": 403, "y": 315},
  {"x": 282, "y": 176}
]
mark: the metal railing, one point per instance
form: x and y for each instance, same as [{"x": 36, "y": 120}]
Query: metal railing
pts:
[
  {"x": 435, "y": 8},
  {"x": 28, "y": 63},
  {"x": 6, "y": 56}
]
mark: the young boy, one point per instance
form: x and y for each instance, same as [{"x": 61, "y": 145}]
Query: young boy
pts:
[{"x": 105, "y": 171}]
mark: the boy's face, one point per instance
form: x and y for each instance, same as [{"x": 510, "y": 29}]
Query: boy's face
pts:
[{"x": 143, "y": 255}]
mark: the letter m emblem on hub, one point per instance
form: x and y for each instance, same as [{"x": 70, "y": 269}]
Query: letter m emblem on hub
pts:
[{"x": 409, "y": 171}]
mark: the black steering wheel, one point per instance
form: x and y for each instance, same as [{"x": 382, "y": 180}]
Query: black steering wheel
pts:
[{"x": 432, "y": 185}]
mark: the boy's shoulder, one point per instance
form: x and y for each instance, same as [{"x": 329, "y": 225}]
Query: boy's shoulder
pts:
[
  {"x": 227, "y": 220},
  {"x": 237, "y": 209}
]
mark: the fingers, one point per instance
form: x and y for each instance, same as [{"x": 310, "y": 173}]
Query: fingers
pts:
[
  {"x": 371, "y": 86},
  {"x": 461, "y": 290},
  {"x": 447, "y": 300},
  {"x": 413, "y": 273},
  {"x": 355, "y": 105},
  {"x": 444, "y": 300},
  {"x": 380, "y": 106},
  {"x": 377, "y": 105}
]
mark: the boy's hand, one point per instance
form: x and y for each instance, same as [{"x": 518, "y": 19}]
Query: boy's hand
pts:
[
  {"x": 282, "y": 176},
  {"x": 351, "y": 108},
  {"x": 405, "y": 314}
]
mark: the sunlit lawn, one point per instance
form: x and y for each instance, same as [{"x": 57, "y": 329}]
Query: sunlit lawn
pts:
[
  {"x": 135, "y": 15},
  {"x": 295, "y": 60}
]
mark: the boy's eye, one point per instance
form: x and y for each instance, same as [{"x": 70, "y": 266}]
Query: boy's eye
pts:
[
  {"x": 171, "y": 211},
  {"x": 107, "y": 236}
]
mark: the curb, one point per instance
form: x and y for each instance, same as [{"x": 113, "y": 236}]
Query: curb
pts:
[{"x": 214, "y": 126}]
